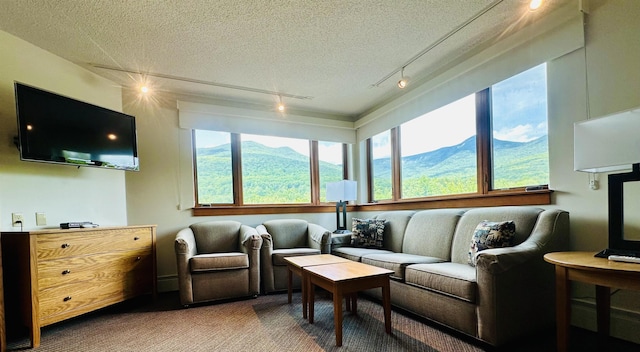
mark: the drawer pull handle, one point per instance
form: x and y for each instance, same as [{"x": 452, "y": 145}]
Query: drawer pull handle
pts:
[
  {"x": 66, "y": 271},
  {"x": 67, "y": 299},
  {"x": 138, "y": 258},
  {"x": 65, "y": 245},
  {"x": 136, "y": 238}
]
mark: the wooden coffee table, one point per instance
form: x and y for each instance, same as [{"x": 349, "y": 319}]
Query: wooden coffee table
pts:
[
  {"x": 295, "y": 266},
  {"x": 346, "y": 279}
]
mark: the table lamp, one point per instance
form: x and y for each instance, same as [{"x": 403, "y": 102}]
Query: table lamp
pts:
[
  {"x": 341, "y": 192},
  {"x": 611, "y": 144}
]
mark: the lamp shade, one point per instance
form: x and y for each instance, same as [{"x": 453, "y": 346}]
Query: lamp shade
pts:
[
  {"x": 341, "y": 190},
  {"x": 607, "y": 144}
]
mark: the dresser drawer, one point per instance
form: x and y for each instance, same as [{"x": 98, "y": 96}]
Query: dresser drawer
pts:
[
  {"x": 62, "y": 302},
  {"x": 95, "y": 268},
  {"x": 64, "y": 245}
]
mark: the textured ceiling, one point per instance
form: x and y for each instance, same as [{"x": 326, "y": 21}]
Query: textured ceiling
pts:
[{"x": 332, "y": 52}]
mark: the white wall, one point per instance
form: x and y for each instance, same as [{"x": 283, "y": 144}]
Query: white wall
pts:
[{"x": 63, "y": 193}]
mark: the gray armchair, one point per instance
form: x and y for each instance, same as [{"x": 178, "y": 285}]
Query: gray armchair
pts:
[
  {"x": 217, "y": 260},
  {"x": 285, "y": 238}
]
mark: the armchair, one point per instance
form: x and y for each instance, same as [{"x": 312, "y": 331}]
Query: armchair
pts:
[
  {"x": 217, "y": 260},
  {"x": 285, "y": 238}
]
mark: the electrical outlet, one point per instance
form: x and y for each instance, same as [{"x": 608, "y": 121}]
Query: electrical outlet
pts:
[
  {"x": 41, "y": 219},
  {"x": 594, "y": 185},
  {"x": 17, "y": 219}
]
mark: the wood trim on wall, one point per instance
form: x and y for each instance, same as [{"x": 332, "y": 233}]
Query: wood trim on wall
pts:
[{"x": 495, "y": 198}]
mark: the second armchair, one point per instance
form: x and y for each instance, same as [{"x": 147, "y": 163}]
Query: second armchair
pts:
[{"x": 285, "y": 238}]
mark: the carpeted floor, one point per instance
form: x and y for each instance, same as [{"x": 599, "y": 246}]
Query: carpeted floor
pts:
[{"x": 267, "y": 323}]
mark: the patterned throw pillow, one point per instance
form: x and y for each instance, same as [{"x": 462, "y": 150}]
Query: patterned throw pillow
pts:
[
  {"x": 491, "y": 235},
  {"x": 367, "y": 233}
]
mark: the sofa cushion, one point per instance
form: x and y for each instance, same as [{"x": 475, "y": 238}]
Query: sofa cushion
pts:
[
  {"x": 430, "y": 232},
  {"x": 397, "y": 262},
  {"x": 367, "y": 233},
  {"x": 219, "y": 261},
  {"x": 394, "y": 228},
  {"x": 356, "y": 254},
  {"x": 451, "y": 279},
  {"x": 491, "y": 234},
  {"x": 278, "y": 255}
]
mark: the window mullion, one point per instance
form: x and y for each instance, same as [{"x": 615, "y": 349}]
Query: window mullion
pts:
[
  {"x": 315, "y": 172},
  {"x": 483, "y": 140},
  {"x": 236, "y": 167},
  {"x": 396, "y": 161}
]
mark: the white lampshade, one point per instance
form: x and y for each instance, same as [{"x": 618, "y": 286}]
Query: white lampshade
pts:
[
  {"x": 607, "y": 144},
  {"x": 341, "y": 190}
]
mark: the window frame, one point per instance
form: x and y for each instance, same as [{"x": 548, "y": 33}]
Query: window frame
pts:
[
  {"x": 484, "y": 195},
  {"x": 239, "y": 208}
]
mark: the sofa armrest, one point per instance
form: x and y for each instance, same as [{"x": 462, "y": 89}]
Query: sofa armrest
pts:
[
  {"x": 185, "y": 249},
  {"x": 319, "y": 238},
  {"x": 340, "y": 240},
  {"x": 250, "y": 239},
  {"x": 515, "y": 284},
  {"x": 498, "y": 260}
]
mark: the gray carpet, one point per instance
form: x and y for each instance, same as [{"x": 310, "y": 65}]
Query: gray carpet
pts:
[{"x": 267, "y": 323}]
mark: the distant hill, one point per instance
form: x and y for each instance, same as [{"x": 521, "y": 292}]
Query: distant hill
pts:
[{"x": 278, "y": 175}]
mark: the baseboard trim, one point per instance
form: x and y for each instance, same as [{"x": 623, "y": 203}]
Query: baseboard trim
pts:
[
  {"x": 625, "y": 324},
  {"x": 167, "y": 283}
]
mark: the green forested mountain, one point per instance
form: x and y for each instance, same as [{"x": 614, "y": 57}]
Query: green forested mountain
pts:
[{"x": 281, "y": 175}]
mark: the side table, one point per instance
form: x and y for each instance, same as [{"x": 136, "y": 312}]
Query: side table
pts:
[{"x": 584, "y": 267}]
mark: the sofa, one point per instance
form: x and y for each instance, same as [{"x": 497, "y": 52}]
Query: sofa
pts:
[{"x": 495, "y": 294}]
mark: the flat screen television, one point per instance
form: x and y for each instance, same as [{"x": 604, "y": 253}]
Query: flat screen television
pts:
[{"x": 56, "y": 129}]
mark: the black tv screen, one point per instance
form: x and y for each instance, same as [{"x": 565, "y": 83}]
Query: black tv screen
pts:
[{"x": 57, "y": 129}]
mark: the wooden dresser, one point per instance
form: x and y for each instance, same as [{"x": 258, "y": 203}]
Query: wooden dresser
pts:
[{"x": 52, "y": 275}]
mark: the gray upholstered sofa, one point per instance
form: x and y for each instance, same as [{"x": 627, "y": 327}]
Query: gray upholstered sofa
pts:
[{"x": 509, "y": 292}]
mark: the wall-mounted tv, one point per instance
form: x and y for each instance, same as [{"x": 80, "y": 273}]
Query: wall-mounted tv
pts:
[{"x": 57, "y": 129}]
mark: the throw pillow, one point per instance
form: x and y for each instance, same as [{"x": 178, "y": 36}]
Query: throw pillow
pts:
[
  {"x": 490, "y": 234},
  {"x": 367, "y": 233}
]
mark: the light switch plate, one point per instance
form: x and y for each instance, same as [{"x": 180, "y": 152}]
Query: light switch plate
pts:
[{"x": 41, "y": 219}]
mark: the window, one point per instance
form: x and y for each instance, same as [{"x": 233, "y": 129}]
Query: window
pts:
[
  {"x": 519, "y": 136},
  {"x": 498, "y": 135},
  {"x": 243, "y": 169},
  {"x": 438, "y": 151},
  {"x": 331, "y": 161},
  {"x": 275, "y": 170},
  {"x": 381, "y": 167},
  {"x": 214, "y": 175}
]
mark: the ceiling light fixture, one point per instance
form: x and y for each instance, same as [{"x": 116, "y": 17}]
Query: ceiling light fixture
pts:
[
  {"x": 281, "y": 106},
  {"x": 535, "y": 4},
  {"x": 198, "y": 81},
  {"x": 402, "y": 83},
  {"x": 438, "y": 42}
]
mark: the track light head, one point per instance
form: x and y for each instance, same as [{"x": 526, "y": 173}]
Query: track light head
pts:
[
  {"x": 404, "y": 81},
  {"x": 280, "y": 105}
]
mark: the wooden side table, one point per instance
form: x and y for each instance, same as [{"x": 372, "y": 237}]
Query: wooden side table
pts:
[
  {"x": 345, "y": 279},
  {"x": 584, "y": 267}
]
